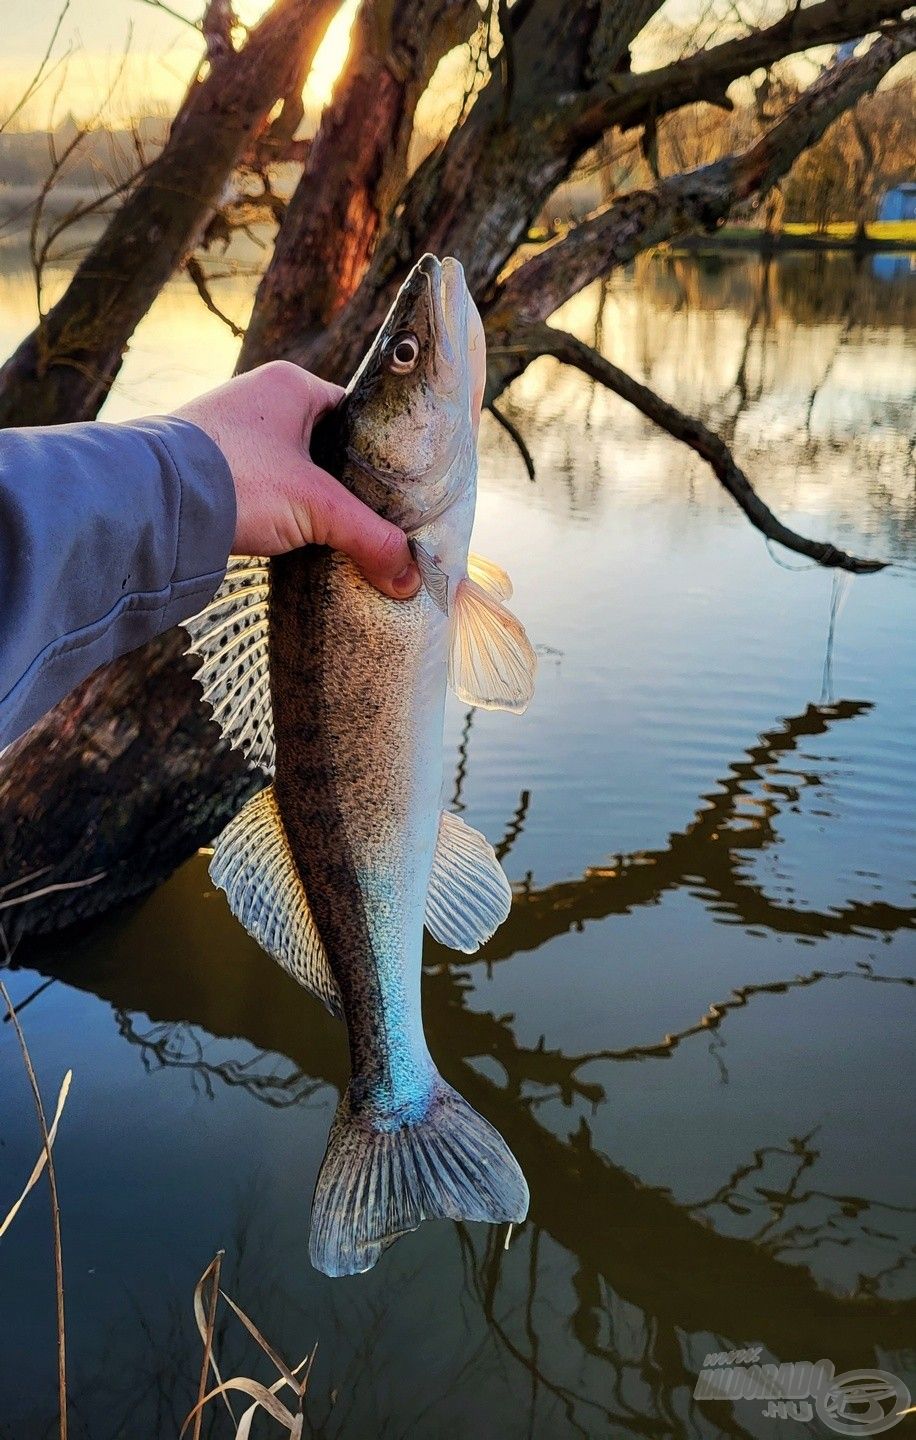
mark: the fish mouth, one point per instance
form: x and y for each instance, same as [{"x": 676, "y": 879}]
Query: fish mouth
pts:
[{"x": 448, "y": 296}]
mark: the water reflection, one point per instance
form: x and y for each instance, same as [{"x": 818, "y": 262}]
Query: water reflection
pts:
[
  {"x": 695, "y": 1043},
  {"x": 652, "y": 1280},
  {"x": 709, "y": 858}
]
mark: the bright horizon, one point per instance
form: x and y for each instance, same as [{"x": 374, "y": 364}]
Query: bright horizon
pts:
[{"x": 163, "y": 51}]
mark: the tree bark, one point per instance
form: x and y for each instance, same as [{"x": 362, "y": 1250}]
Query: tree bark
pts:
[
  {"x": 357, "y": 166},
  {"x": 698, "y": 198},
  {"x": 477, "y": 199},
  {"x": 125, "y": 778}
]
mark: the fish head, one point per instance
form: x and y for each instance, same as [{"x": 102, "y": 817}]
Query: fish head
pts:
[{"x": 413, "y": 407}]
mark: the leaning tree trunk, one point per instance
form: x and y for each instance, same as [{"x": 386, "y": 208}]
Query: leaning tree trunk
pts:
[
  {"x": 125, "y": 778},
  {"x": 65, "y": 368}
]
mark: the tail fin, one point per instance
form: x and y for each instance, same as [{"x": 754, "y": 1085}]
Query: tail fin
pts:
[{"x": 375, "y": 1185}]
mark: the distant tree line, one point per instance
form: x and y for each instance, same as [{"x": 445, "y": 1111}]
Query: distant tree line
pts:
[{"x": 842, "y": 178}]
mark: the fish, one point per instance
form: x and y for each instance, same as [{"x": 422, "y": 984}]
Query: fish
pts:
[{"x": 338, "y": 693}]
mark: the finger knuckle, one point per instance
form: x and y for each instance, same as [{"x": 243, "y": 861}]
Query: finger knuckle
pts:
[
  {"x": 284, "y": 375},
  {"x": 390, "y": 549}
]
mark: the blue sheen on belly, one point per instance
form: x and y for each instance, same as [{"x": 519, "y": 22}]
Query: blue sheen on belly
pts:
[{"x": 402, "y": 1089}]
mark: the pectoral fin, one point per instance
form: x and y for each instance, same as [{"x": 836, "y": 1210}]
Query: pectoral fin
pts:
[
  {"x": 469, "y": 895},
  {"x": 491, "y": 662},
  {"x": 253, "y": 863},
  {"x": 434, "y": 578}
]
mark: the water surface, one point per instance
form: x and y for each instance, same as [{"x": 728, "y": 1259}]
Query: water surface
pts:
[{"x": 705, "y": 813}]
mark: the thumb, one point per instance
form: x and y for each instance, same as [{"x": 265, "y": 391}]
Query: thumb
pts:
[{"x": 379, "y": 548}]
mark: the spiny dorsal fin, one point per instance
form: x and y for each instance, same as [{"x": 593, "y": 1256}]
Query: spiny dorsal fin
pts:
[
  {"x": 230, "y": 635},
  {"x": 491, "y": 662},
  {"x": 490, "y": 577},
  {"x": 469, "y": 895},
  {"x": 253, "y": 863}
]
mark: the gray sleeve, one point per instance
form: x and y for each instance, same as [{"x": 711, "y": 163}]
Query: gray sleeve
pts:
[{"x": 109, "y": 535}]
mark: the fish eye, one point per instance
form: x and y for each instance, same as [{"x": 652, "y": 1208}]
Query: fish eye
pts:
[{"x": 403, "y": 352}]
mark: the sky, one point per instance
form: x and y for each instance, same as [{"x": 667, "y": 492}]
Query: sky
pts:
[
  {"x": 160, "y": 59},
  {"x": 161, "y": 53}
]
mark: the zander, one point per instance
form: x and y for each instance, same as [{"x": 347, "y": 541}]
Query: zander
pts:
[{"x": 339, "y": 693}]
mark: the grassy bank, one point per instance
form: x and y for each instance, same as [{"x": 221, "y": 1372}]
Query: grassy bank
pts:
[{"x": 881, "y": 235}]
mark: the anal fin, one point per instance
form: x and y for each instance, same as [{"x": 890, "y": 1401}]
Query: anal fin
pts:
[{"x": 253, "y": 863}]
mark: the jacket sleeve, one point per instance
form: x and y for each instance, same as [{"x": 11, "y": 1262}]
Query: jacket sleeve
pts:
[{"x": 109, "y": 535}]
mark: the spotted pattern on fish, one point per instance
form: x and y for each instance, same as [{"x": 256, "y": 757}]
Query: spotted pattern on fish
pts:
[{"x": 347, "y": 670}]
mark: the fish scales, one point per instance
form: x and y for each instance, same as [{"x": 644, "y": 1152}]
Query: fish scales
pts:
[{"x": 348, "y": 677}]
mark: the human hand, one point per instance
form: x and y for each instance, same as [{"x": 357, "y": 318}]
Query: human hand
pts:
[{"x": 263, "y": 422}]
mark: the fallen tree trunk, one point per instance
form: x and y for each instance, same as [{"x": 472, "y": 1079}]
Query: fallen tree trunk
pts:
[{"x": 116, "y": 786}]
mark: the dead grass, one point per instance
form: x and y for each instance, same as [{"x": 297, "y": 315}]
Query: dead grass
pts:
[
  {"x": 207, "y": 1295},
  {"x": 46, "y": 1161}
]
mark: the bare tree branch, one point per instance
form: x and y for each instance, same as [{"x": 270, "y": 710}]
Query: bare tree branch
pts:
[
  {"x": 173, "y": 14},
  {"x": 217, "y": 25},
  {"x": 516, "y": 436},
  {"x": 199, "y": 281},
  {"x": 703, "y": 197},
  {"x": 42, "y": 72},
  {"x": 477, "y": 198},
  {"x": 626, "y": 100},
  {"x": 527, "y": 343}
]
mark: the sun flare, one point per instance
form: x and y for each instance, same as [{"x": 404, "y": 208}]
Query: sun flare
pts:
[{"x": 330, "y": 55}]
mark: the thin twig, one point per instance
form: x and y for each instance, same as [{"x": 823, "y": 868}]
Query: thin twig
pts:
[
  {"x": 39, "y": 247},
  {"x": 51, "y": 890},
  {"x": 55, "y": 1217},
  {"x": 517, "y": 437},
  {"x": 174, "y": 14},
  {"x": 39, "y": 77},
  {"x": 199, "y": 281}
]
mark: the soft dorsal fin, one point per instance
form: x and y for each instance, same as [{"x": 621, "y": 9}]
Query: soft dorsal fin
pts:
[
  {"x": 491, "y": 661},
  {"x": 490, "y": 577},
  {"x": 253, "y": 863},
  {"x": 230, "y": 635},
  {"x": 469, "y": 896}
]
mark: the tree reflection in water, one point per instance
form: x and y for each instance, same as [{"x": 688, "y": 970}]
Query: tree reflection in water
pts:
[{"x": 653, "y": 1282}]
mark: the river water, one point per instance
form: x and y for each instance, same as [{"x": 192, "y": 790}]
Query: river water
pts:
[{"x": 707, "y": 812}]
